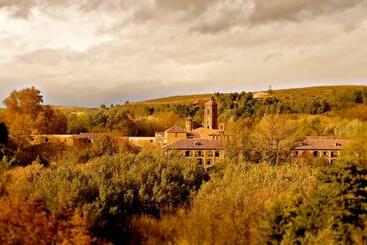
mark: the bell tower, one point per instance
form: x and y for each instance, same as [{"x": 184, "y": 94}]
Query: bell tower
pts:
[
  {"x": 211, "y": 114},
  {"x": 189, "y": 124}
]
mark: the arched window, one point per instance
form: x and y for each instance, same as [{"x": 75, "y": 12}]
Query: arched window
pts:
[
  {"x": 217, "y": 154},
  {"x": 199, "y": 161},
  {"x": 187, "y": 153}
]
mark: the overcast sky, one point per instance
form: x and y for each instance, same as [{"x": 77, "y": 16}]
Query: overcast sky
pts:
[{"x": 88, "y": 52}]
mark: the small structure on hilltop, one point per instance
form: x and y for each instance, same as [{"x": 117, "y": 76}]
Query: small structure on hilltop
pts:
[
  {"x": 262, "y": 95},
  {"x": 325, "y": 147}
]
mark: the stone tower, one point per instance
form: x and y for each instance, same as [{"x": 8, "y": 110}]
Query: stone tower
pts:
[
  {"x": 189, "y": 124},
  {"x": 211, "y": 114}
]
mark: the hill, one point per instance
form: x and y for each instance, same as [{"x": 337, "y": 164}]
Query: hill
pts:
[{"x": 326, "y": 92}]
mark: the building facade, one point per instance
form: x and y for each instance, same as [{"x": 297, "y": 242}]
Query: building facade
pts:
[
  {"x": 205, "y": 152},
  {"x": 325, "y": 147}
]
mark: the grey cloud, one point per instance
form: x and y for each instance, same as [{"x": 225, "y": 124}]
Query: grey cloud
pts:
[
  {"x": 204, "y": 14},
  {"x": 270, "y": 10},
  {"x": 272, "y": 56},
  {"x": 49, "y": 57}
]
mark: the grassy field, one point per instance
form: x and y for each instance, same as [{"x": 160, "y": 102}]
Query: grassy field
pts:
[
  {"x": 327, "y": 92},
  {"x": 183, "y": 99}
]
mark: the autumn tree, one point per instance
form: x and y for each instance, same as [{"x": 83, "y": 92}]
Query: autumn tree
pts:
[
  {"x": 26, "y": 101},
  {"x": 49, "y": 121},
  {"x": 274, "y": 137},
  {"x": 26, "y": 114}
]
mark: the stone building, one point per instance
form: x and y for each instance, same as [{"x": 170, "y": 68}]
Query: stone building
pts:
[
  {"x": 205, "y": 144},
  {"x": 204, "y": 151},
  {"x": 321, "y": 146}
]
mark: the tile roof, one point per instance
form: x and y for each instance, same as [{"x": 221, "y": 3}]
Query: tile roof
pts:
[
  {"x": 92, "y": 136},
  {"x": 196, "y": 144},
  {"x": 322, "y": 143},
  {"x": 204, "y": 131},
  {"x": 175, "y": 129}
]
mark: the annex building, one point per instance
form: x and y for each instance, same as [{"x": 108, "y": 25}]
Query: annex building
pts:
[{"x": 326, "y": 147}]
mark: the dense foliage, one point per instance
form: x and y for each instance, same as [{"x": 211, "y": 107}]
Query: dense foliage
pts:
[{"x": 106, "y": 193}]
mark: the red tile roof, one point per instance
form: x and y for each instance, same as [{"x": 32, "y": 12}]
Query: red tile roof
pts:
[
  {"x": 322, "y": 143},
  {"x": 196, "y": 144},
  {"x": 176, "y": 129}
]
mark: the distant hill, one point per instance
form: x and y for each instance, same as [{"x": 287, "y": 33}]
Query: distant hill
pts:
[
  {"x": 284, "y": 94},
  {"x": 182, "y": 99}
]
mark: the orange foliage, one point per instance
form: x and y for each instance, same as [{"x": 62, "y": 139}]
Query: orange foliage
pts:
[
  {"x": 26, "y": 115},
  {"x": 28, "y": 222}
]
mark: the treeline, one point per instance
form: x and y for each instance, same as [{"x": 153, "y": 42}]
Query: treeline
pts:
[
  {"x": 245, "y": 105},
  {"x": 25, "y": 113}
]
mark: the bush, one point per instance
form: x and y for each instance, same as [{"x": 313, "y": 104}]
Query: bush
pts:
[
  {"x": 336, "y": 211},
  {"x": 230, "y": 209}
]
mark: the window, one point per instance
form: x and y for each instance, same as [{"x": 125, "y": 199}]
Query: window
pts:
[
  {"x": 208, "y": 112},
  {"x": 325, "y": 153},
  {"x": 315, "y": 153},
  {"x": 199, "y": 161},
  {"x": 200, "y": 153},
  {"x": 208, "y": 162},
  {"x": 217, "y": 154},
  {"x": 187, "y": 153}
]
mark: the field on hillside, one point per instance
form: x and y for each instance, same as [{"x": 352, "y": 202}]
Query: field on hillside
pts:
[{"x": 183, "y": 99}]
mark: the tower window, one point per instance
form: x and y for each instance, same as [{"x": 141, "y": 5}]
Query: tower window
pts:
[{"x": 208, "y": 112}]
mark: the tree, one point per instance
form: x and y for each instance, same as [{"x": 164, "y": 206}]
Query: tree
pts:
[
  {"x": 25, "y": 114},
  {"x": 4, "y": 134},
  {"x": 334, "y": 212},
  {"x": 49, "y": 121},
  {"x": 26, "y": 101},
  {"x": 274, "y": 137}
]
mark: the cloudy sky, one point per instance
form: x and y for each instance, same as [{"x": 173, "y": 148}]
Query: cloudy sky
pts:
[{"x": 88, "y": 52}]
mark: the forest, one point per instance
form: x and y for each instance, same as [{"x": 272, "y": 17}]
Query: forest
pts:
[{"x": 259, "y": 194}]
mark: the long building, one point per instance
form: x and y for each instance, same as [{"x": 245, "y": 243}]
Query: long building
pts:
[{"x": 325, "y": 147}]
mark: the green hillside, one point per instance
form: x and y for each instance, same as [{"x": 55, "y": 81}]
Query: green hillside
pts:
[{"x": 326, "y": 92}]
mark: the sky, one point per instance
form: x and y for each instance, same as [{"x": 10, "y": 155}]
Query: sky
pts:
[{"x": 89, "y": 52}]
